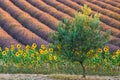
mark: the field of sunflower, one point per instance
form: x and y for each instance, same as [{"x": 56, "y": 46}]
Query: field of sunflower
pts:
[
  {"x": 30, "y": 55},
  {"x": 47, "y": 61}
]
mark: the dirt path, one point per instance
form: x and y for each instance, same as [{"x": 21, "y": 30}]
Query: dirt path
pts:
[
  {"x": 24, "y": 77},
  {"x": 47, "y": 77}
]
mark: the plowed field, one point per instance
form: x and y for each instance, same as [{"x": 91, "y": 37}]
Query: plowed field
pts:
[{"x": 31, "y": 21}]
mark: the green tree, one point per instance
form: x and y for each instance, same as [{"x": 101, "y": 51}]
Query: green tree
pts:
[{"x": 74, "y": 38}]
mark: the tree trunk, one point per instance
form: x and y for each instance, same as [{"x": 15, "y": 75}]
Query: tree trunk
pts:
[{"x": 84, "y": 72}]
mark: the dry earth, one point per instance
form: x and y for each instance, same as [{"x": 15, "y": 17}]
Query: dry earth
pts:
[{"x": 49, "y": 77}]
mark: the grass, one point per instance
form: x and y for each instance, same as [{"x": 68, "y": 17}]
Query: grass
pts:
[
  {"x": 68, "y": 68},
  {"x": 79, "y": 77}
]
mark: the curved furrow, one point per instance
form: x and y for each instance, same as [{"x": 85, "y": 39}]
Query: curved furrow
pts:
[
  {"x": 6, "y": 40},
  {"x": 36, "y": 13},
  {"x": 49, "y": 9},
  {"x": 101, "y": 10},
  {"x": 17, "y": 31},
  {"x": 113, "y": 47},
  {"x": 115, "y": 41},
  {"x": 26, "y": 20},
  {"x": 114, "y": 31},
  {"x": 61, "y": 7},
  {"x": 105, "y": 6},
  {"x": 71, "y": 4},
  {"x": 113, "y": 3},
  {"x": 54, "y": 6},
  {"x": 117, "y": 1},
  {"x": 108, "y": 20}
]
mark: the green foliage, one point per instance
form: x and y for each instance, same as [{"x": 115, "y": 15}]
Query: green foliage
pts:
[
  {"x": 76, "y": 37},
  {"x": 101, "y": 63},
  {"x": 105, "y": 58}
]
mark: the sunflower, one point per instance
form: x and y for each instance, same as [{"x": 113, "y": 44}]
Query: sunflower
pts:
[
  {"x": 12, "y": 47},
  {"x": 32, "y": 55},
  {"x": 41, "y": 51},
  {"x": 106, "y": 49},
  {"x": 99, "y": 50},
  {"x": 43, "y": 46},
  {"x": 37, "y": 54},
  {"x": 113, "y": 57},
  {"x": 4, "y": 53},
  {"x": 6, "y": 49},
  {"x": 27, "y": 47},
  {"x": 20, "y": 52},
  {"x": 50, "y": 57},
  {"x": 50, "y": 54},
  {"x": 96, "y": 55},
  {"x": 46, "y": 51},
  {"x": 34, "y": 45},
  {"x": 55, "y": 57},
  {"x": 18, "y": 46},
  {"x": 17, "y": 54},
  {"x": 51, "y": 50},
  {"x": 24, "y": 55},
  {"x": 117, "y": 52}
]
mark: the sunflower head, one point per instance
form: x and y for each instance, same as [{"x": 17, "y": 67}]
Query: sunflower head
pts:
[
  {"x": 24, "y": 55},
  {"x": 106, "y": 49},
  {"x": 46, "y": 51},
  {"x": 117, "y": 52},
  {"x": 43, "y": 46},
  {"x": 50, "y": 57},
  {"x": 113, "y": 57},
  {"x": 37, "y": 54},
  {"x": 55, "y": 57},
  {"x": 6, "y": 49},
  {"x": 27, "y": 47},
  {"x": 50, "y": 50},
  {"x": 50, "y": 54},
  {"x": 96, "y": 55},
  {"x": 12, "y": 47},
  {"x": 20, "y": 52},
  {"x": 32, "y": 55},
  {"x": 99, "y": 50},
  {"x": 41, "y": 51},
  {"x": 18, "y": 46},
  {"x": 34, "y": 45},
  {"x": 4, "y": 53},
  {"x": 17, "y": 54}
]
